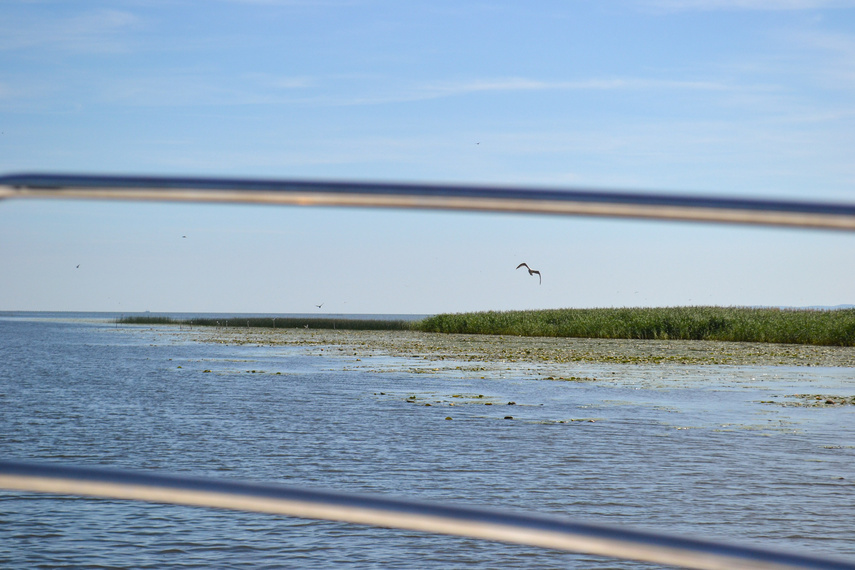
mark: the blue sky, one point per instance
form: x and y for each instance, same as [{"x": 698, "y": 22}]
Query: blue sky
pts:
[{"x": 752, "y": 98}]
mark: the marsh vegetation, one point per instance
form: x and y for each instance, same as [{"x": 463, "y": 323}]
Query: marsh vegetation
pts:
[
  {"x": 741, "y": 324},
  {"x": 737, "y": 324},
  {"x": 271, "y": 322}
]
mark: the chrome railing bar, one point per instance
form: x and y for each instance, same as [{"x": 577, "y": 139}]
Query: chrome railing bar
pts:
[
  {"x": 533, "y": 530},
  {"x": 577, "y": 202},
  {"x": 548, "y": 532}
]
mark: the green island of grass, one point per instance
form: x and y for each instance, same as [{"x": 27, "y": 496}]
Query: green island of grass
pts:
[{"x": 835, "y": 327}]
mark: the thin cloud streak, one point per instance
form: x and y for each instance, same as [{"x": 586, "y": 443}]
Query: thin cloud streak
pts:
[
  {"x": 522, "y": 84},
  {"x": 764, "y": 5},
  {"x": 97, "y": 32},
  {"x": 814, "y": 68},
  {"x": 298, "y": 3},
  {"x": 183, "y": 87},
  {"x": 439, "y": 90}
]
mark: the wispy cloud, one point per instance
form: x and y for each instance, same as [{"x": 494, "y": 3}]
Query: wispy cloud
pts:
[
  {"x": 834, "y": 43},
  {"x": 199, "y": 87},
  {"x": 455, "y": 88},
  {"x": 834, "y": 61},
  {"x": 195, "y": 87},
  {"x": 310, "y": 3},
  {"x": 768, "y": 5},
  {"x": 285, "y": 82},
  {"x": 96, "y": 31},
  {"x": 524, "y": 84}
]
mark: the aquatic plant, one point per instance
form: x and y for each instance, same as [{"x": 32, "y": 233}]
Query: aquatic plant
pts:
[
  {"x": 271, "y": 322},
  {"x": 147, "y": 320},
  {"x": 745, "y": 324}
]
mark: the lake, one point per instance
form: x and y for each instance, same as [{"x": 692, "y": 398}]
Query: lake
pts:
[{"x": 722, "y": 452}]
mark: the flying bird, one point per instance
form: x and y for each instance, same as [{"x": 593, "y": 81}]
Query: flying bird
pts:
[
  {"x": 319, "y": 306},
  {"x": 532, "y": 272}
]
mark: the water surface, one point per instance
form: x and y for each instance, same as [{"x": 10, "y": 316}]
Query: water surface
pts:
[{"x": 681, "y": 449}]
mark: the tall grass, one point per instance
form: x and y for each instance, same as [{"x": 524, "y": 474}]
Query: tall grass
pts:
[
  {"x": 793, "y": 326},
  {"x": 148, "y": 320},
  {"x": 271, "y": 322},
  {"x": 797, "y": 326}
]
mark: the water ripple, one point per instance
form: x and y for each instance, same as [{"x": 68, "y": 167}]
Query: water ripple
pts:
[{"x": 701, "y": 455}]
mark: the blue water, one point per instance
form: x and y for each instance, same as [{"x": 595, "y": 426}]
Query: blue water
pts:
[
  {"x": 112, "y": 316},
  {"x": 678, "y": 449}
]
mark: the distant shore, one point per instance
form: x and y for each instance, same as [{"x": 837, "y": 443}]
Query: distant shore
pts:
[
  {"x": 504, "y": 350},
  {"x": 730, "y": 324}
]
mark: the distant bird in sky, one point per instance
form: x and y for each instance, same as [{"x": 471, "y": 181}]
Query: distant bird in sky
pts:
[
  {"x": 532, "y": 272},
  {"x": 78, "y": 266},
  {"x": 319, "y": 306}
]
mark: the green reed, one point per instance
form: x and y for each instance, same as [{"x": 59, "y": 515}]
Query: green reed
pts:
[
  {"x": 793, "y": 326},
  {"x": 797, "y": 326},
  {"x": 272, "y": 322}
]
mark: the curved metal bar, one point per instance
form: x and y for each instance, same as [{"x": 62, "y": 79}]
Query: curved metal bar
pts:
[
  {"x": 427, "y": 196},
  {"x": 534, "y": 530},
  {"x": 548, "y": 532}
]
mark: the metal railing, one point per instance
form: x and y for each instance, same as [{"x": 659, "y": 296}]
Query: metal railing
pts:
[
  {"x": 433, "y": 196},
  {"x": 534, "y": 530}
]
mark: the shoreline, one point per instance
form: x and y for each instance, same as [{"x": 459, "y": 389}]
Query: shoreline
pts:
[
  {"x": 727, "y": 324},
  {"x": 535, "y": 350}
]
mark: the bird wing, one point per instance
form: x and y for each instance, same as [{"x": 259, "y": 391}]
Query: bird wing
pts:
[{"x": 522, "y": 265}]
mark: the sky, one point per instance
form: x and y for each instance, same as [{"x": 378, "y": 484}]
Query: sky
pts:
[{"x": 747, "y": 98}]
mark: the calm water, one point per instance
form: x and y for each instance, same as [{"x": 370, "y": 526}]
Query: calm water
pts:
[{"x": 679, "y": 449}]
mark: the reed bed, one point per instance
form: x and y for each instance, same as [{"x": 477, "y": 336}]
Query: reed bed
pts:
[
  {"x": 271, "y": 322},
  {"x": 793, "y": 326},
  {"x": 742, "y": 324}
]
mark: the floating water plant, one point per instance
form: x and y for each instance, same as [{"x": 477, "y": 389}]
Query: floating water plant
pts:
[{"x": 817, "y": 401}]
